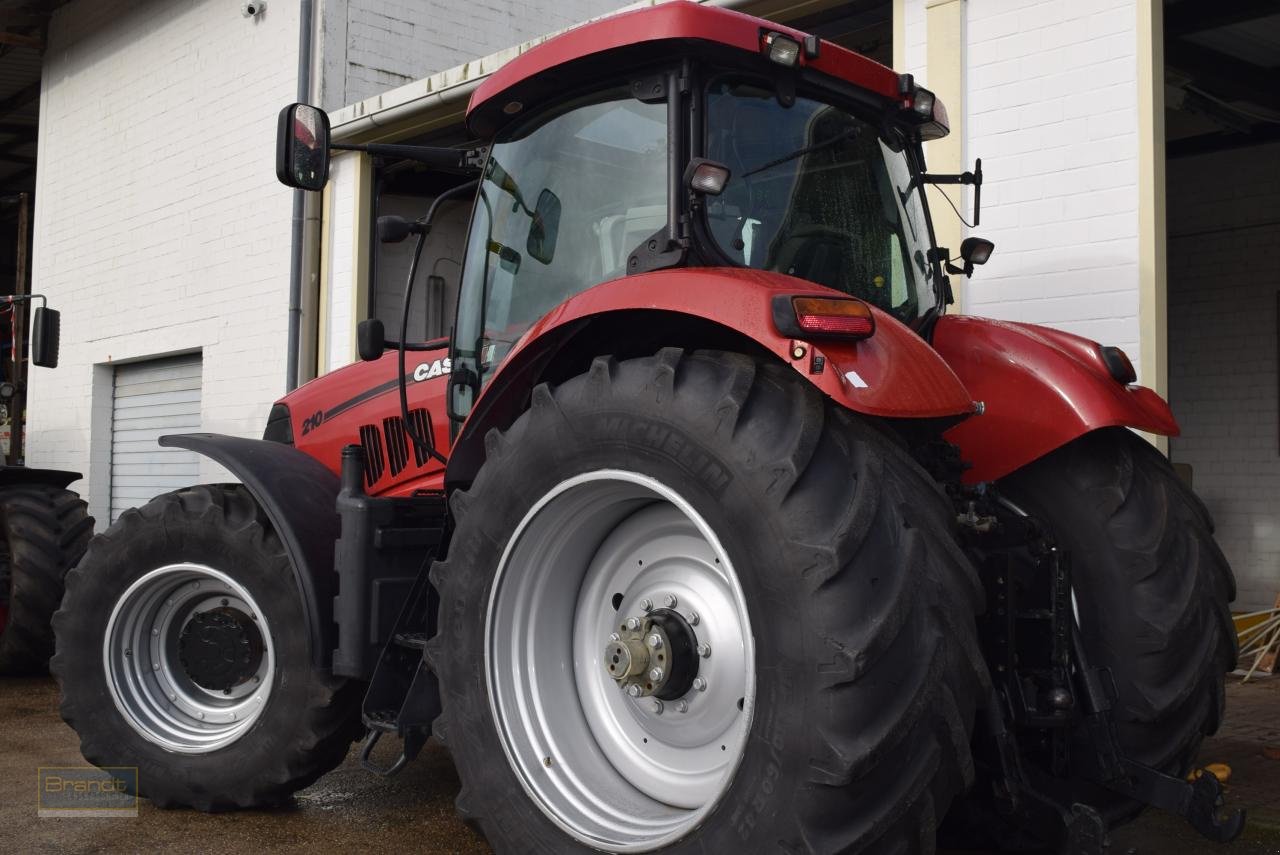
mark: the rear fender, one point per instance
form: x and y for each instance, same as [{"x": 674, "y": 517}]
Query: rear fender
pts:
[
  {"x": 894, "y": 374},
  {"x": 21, "y": 475},
  {"x": 1041, "y": 388},
  {"x": 299, "y": 496}
]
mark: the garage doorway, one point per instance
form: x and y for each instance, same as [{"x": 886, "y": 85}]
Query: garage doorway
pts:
[
  {"x": 1222, "y": 143},
  {"x": 150, "y": 399}
]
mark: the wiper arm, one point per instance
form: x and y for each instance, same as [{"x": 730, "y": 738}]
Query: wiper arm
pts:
[{"x": 801, "y": 152}]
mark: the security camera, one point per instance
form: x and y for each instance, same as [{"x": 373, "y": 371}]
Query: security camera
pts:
[{"x": 253, "y": 8}]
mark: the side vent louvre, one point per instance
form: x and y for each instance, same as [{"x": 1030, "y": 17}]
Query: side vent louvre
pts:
[
  {"x": 397, "y": 449},
  {"x": 421, "y": 420},
  {"x": 374, "y": 461}
]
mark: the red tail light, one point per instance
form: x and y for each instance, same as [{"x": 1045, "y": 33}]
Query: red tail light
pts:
[{"x": 833, "y": 316}]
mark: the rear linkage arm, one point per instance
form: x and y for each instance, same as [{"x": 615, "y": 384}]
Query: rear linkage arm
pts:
[{"x": 1044, "y": 682}]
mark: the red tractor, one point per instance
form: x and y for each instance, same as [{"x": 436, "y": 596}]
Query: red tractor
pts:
[{"x": 706, "y": 528}]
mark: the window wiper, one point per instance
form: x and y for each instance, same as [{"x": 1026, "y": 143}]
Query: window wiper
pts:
[{"x": 801, "y": 152}]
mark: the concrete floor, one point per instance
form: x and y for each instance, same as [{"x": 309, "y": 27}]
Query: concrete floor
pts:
[{"x": 350, "y": 809}]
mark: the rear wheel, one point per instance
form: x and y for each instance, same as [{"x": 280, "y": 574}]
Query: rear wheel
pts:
[
  {"x": 689, "y": 603},
  {"x": 1152, "y": 591},
  {"x": 43, "y": 533},
  {"x": 182, "y": 650}
]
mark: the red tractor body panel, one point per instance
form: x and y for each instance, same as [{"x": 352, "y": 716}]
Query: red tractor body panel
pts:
[
  {"x": 1041, "y": 389},
  {"x": 360, "y": 403},
  {"x": 668, "y": 22},
  {"x": 892, "y": 374}
]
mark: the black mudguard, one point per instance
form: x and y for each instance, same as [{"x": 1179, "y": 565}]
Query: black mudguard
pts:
[
  {"x": 299, "y": 496},
  {"x": 15, "y": 475}
]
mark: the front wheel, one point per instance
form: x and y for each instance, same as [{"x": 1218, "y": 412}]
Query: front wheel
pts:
[
  {"x": 689, "y": 603},
  {"x": 182, "y": 651}
]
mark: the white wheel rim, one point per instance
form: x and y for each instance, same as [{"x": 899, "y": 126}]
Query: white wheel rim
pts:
[
  {"x": 148, "y": 682},
  {"x": 606, "y": 767}
]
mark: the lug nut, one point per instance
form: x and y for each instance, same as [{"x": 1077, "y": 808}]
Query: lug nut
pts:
[
  {"x": 700, "y": 684},
  {"x": 669, "y": 601},
  {"x": 682, "y": 706},
  {"x": 693, "y": 618},
  {"x": 704, "y": 650},
  {"x": 656, "y": 707},
  {"x": 633, "y": 690},
  {"x": 646, "y": 604},
  {"x": 613, "y": 636},
  {"x": 654, "y": 641},
  {"x": 633, "y": 623},
  {"x": 657, "y": 674}
]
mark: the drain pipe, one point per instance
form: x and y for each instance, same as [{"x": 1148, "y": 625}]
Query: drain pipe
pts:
[{"x": 299, "y": 208}]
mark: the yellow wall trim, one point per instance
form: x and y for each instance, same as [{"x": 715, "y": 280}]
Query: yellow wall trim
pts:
[{"x": 1152, "y": 263}]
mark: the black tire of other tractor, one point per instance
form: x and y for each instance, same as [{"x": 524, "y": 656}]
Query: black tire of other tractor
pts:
[
  {"x": 311, "y": 717},
  {"x": 45, "y": 531},
  {"x": 862, "y": 605},
  {"x": 1153, "y": 590}
]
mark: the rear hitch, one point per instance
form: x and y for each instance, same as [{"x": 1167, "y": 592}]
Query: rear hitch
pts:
[
  {"x": 1200, "y": 802},
  {"x": 1044, "y": 685}
]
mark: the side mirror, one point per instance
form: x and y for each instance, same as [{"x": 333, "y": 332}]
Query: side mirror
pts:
[
  {"x": 973, "y": 251},
  {"x": 371, "y": 339},
  {"x": 46, "y": 330},
  {"x": 302, "y": 147},
  {"x": 545, "y": 228}
]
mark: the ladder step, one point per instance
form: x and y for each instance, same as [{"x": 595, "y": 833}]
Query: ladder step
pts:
[
  {"x": 414, "y": 640},
  {"x": 383, "y": 721}
]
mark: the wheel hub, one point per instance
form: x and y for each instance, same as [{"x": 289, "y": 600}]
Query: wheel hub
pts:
[
  {"x": 653, "y": 655},
  {"x": 220, "y": 649}
]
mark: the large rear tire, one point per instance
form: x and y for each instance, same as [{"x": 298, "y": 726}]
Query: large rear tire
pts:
[
  {"x": 43, "y": 533},
  {"x": 806, "y": 561},
  {"x": 182, "y": 650},
  {"x": 1153, "y": 593}
]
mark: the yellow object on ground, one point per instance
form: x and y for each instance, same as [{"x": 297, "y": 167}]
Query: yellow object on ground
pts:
[{"x": 1221, "y": 771}]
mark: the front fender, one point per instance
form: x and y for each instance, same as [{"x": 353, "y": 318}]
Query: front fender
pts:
[
  {"x": 1041, "y": 389},
  {"x": 892, "y": 374},
  {"x": 299, "y": 496}
]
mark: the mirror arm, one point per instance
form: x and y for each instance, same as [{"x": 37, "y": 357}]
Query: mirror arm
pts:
[
  {"x": 972, "y": 178},
  {"x": 444, "y": 158},
  {"x": 22, "y": 298}
]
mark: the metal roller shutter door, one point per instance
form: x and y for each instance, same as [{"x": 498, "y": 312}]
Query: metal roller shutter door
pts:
[{"x": 151, "y": 399}]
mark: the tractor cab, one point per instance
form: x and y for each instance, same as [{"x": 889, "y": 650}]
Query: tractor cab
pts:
[{"x": 680, "y": 136}]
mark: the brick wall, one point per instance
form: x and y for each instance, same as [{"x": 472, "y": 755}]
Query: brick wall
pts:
[
  {"x": 389, "y": 43},
  {"x": 1224, "y": 222},
  {"x": 1052, "y": 112},
  {"x": 159, "y": 226}
]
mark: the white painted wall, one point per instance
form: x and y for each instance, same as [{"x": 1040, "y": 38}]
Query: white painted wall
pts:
[
  {"x": 159, "y": 225},
  {"x": 1224, "y": 224},
  {"x": 1052, "y": 112},
  {"x": 376, "y": 45}
]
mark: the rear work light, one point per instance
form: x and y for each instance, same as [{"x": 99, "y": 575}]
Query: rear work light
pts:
[{"x": 823, "y": 317}]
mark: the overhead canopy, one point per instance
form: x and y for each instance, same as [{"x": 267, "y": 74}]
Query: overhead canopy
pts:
[{"x": 23, "y": 26}]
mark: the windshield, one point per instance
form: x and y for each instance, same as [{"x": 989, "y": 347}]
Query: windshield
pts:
[
  {"x": 818, "y": 193},
  {"x": 566, "y": 198}
]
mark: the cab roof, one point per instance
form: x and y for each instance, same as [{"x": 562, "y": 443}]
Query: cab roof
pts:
[{"x": 631, "y": 37}]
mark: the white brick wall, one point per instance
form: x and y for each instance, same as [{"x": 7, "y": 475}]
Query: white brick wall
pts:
[
  {"x": 159, "y": 225},
  {"x": 1224, "y": 223},
  {"x": 392, "y": 42},
  {"x": 917, "y": 41},
  {"x": 1052, "y": 112}
]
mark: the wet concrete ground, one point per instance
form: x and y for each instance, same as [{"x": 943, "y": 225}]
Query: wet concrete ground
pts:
[{"x": 352, "y": 810}]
